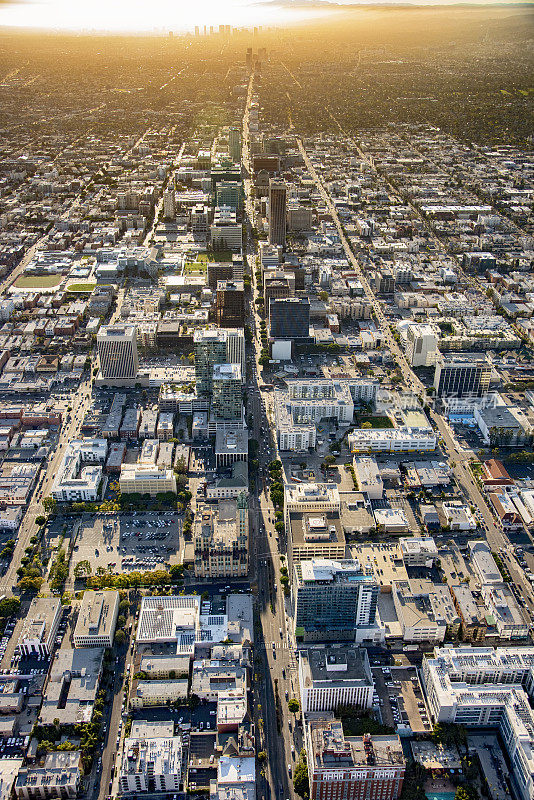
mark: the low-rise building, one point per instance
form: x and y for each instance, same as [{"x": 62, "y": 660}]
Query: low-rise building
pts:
[
  {"x": 74, "y": 482},
  {"x": 60, "y": 776},
  {"x": 352, "y": 767},
  {"x": 152, "y": 760},
  {"x": 146, "y": 479},
  {"x": 418, "y": 551},
  {"x": 39, "y": 626},
  {"x": 331, "y": 678},
  {"x": 97, "y": 619},
  {"x": 72, "y": 686}
]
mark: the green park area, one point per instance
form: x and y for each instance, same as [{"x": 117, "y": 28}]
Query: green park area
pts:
[
  {"x": 38, "y": 281},
  {"x": 81, "y": 287}
]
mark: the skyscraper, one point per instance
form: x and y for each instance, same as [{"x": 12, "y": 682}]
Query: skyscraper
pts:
[
  {"x": 227, "y": 402},
  {"x": 117, "y": 351},
  {"x": 234, "y": 145},
  {"x": 210, "y": 349},
  {"x": 230, "y": 304},
  {"x": 235, "y": 348},
  {"x": 277, "y": 212},
  {"x": 332, "y": 599}
]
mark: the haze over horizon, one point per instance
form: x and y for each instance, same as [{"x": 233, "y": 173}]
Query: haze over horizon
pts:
[{"x": 131, "y": 16}]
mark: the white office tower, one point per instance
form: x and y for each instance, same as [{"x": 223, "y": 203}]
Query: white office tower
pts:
[
  {"x": 117, "y": 351},
  {"x": 421, "y": 345},
  {"x": 235, "y": 348}
]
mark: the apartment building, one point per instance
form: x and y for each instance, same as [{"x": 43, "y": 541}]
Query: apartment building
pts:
[
  {"x": 146, "y": 479},
  {"x": 221, "y": 539},
  {"x": 152, "y": 760},
  {"x": 370, "y": 767}
]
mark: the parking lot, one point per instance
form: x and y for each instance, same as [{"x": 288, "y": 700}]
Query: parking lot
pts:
[
  {"x": 139, "y": 540},
  {"x": 401, "y": 699}
]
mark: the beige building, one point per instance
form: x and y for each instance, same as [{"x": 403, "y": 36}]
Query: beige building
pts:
[
  {"x": 221, "y": 539},
  {"x": 97, "y": 619},
  {"x": 146, "y": 479}
]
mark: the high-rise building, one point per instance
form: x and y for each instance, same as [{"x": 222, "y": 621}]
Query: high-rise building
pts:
[
  {"x": 229, "y": 193},
  {"x": 210, "y": 349},
  {"x": 461, "y": 375},
  {"x": 227, "y": 402},
  {"x": 117, "y": 351},
  {"x": 421, "y": 345},
  {"x": 332, "y": 599},
  {"x": 289, "y": 318},
  {"x": 169, "y": 205},
  {"x": 370, "y": 767},
  {"x": 230, "y": 304},
  {"x": 277, "y": 212},
  {"x": 234, "y": 145},
  {"x": 235, "y": 348},
  {"x": 221, "y": 539}
]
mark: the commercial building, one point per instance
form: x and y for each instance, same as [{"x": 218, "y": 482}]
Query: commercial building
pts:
[
  {"x": 221, "y": 539},
  {"x": 229, "y": 193},
  {"x": 234, "y": 145},
  {"x": 39, "y": 626},
  {"x": 152, "y": 760},
  {"x": 392, "y": 440},
  {"x": 72, "y": 686},
  {"x": 146, "y": 479},
  {"x": 236, "y": 778},
  {"x": 352, "y": 768},
  {"x": 330, "y": 678},
  {"x": 226, "y": 232},
  {"x": 227, "y": 400},
  {"x": 461, "y": 375},
  {"x": 368, "y": 477},
  {"x": 332, "y": 600},
  {"x": 473, "y": 621},
  {"x": 425, "y": 611},
  {"x": 277, "y": 212},
  {"x": 60, "y": 776},
  {"x": 421, "y": 345},
  {"x": 289, "y": 318},
  {"x": 74, "y": 482},
  {"x": 480, "y": 687},
  {"x": 96, "y": 622},
  {"x": 149, "y": 693},
  {"x": 117, "y": 351},
  {"x": 174, "y": 619},
  {"x": 419, "y": 551},
  {"x": 210, "y": 349},
  {"x": 230, "y": 304},
  {"x": 231, "y": 446}
]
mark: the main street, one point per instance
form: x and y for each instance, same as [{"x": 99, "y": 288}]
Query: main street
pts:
[{"x": 276, "y": 673}]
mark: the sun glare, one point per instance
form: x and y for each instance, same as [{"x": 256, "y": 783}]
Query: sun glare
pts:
[{"x": 142, "y": 16}]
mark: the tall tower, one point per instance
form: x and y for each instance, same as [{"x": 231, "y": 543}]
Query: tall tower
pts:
[
  {"x": 277, "y": 212},
  {"x": 210, "y": 349},
  {"x": 117, "y": 351},
  {"x": 234, "y": 145}
]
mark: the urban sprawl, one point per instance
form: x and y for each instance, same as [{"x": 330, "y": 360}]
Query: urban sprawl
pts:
[{"x": 266, "y": 466}]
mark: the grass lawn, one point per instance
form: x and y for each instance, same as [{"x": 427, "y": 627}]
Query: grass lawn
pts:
[
  {"x": 81, "y": 287},
  {"x": 376, "y": 422},
  {"x": 195, "y": 266},
  {"x": 38, "y": 281},
  {"x": 221, "y": 256}
]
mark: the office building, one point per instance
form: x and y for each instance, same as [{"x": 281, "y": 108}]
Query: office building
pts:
[
  {"x": 277, "y": 212},
  {"x": 481, "y": 687},
  {"x": 333, "y": 599},
  {"x": 421, "y": 345},
  {"x": 352, "y": 768},
  {"x": 330, "y": 678},
  {"x": 152, "y": 760},
  {"x": 231, "y": 446},
  {"x": 97, "y": 619},
  {"x": 461, "y": 375},
  {"x": 229, "y": 193},
  {"x": 289, "y": 318},
  {"x": 425, "y": 610},
  {"x": 72, "y": 686},
  {"x": 169, "y": 205},
  {"x": 40, "y": 626},
  {"x": 368, "y": 477},
  {"x": 226, "y": 232},
  {"x": 210, "y": 349},
  {"x": 227, "y": 392},
  {"x": 235, "y": 349},
  {"x": 146, "y": 479},
  {"x": 221, "y": 539},
  {"x": 79, "y": 474},
  {"x": 277, "y": 285},
  {"x": 299, "y": 218},
  {"x": 234, "y": 145},
  {"x": 117, "y": 351},
  {"x": 392, "y": 440},
  {"x": 230, "y": 304}
]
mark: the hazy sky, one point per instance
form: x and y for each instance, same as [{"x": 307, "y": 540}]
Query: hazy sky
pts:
[{"x": 150, "y": 15}]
